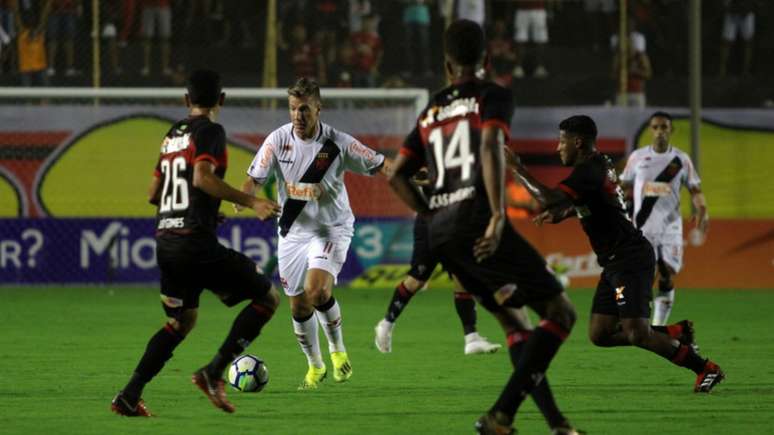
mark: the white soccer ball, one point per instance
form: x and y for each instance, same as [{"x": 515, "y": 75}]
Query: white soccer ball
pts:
[{"x": 248, "y": 374}]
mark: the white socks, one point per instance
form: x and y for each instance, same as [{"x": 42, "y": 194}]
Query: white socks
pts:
[
  {"x": 662, "y": 307},
  {"x": 330, "y": 321},
  {"x": 306, "y": 333}
]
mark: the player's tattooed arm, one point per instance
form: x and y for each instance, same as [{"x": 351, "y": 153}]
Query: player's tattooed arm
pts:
[
  {"x": 554, "y": 214},
  {"x": 154, "y": 191},
  {"x": 400, "y": 181},
  {"x": 549, "y": 199}
]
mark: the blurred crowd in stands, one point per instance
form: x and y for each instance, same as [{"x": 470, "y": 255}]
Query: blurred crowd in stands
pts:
[{"x": 548, "y": 51}]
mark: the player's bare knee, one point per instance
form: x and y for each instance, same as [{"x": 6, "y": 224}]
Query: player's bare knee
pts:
[
  {"x": 412, "y": 284},
  {"x": 637, "y": 335},
  {"x": 271, "y": 299},
  {"x": 599, "y": 337}
]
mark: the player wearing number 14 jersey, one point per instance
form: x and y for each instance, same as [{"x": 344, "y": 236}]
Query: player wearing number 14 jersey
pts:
[
  {"x": 460, "y": 138},
  {"x": 187, "y": 188}
]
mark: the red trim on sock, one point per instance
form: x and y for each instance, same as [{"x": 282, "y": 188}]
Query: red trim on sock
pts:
[
  {"x": 404, "y": 292},
  {"x": 554, "y": 328},
  {"x": 675, "y": 330},
  {"x": 517, "y": 337},
  {"x": 172, "y": 331},
  {"x": 262, "y": 310},
  {"x": 682, "y": 352},
  {"x": 463, "y": 295}
]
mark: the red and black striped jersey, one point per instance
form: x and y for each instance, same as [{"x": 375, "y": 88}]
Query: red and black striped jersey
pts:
[
  {"x": 446, "y": 139},
  {"x": 183, "y": 208}
]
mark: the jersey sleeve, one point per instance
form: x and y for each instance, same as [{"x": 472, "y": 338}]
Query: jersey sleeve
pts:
[
  {"x": 412, "y": 147},
  {"x": 691, "y": 179},
  {"x": 210, "y": 144},
  {"x": 358, "y": 157},
  {"x": 497, "y": 109},
  {"x": 262, "y": 167},
  {"x": 585, "y": 179},
  {"x": 627, "y": 175}
]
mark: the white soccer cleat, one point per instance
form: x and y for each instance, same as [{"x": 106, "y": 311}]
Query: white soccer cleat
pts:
[
  {"x": 475, "y": 344},
  {"x": 383, "y": 336}
]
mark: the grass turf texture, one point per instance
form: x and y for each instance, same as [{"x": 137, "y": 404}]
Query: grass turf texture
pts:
[{"x": 66, "y": 351}]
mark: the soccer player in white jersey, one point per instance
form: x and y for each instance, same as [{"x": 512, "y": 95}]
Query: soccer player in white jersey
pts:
[
  {"x": 654, "y": 175},
  {"x": 309, "y": 158}
]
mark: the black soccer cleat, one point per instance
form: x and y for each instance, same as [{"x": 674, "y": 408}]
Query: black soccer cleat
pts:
[
  {"x": 123, "y": 406},
  {"x": 487, "y": 424},
  {"x": 707, "y": 379}
]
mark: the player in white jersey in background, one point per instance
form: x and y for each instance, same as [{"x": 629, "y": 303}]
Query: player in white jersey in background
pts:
[
  {"x": 654, "y": 176},
  {"x": 309, "y": 158}
]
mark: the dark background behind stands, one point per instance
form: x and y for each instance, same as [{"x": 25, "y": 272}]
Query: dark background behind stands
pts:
[{"x": 229, "y": 35}]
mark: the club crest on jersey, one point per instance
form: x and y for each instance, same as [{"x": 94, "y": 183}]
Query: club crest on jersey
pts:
[
  {"x": 286, "y": 148},
  {"x": 321, "y": 162}
]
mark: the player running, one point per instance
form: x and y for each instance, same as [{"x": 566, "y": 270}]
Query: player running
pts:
[
  {"x": 309, "y": 158},
  {"x": 460, "y": 137},
  {"x": 187, "y": 188},
  {"x": 653, "y": 177},
  {"x": 620, "y": 311}
]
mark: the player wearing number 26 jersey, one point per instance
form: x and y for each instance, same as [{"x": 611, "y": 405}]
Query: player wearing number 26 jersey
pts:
[
  {"x": 187, "y": 188},
  {"x": 460, "y": 137}
]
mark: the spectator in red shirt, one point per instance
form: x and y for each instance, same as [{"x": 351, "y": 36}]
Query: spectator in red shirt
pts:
[
  {"x": 368, "y": 52},
  {"x": 305, "y": 56}
]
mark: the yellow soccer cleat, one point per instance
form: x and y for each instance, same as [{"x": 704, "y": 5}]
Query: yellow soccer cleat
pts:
[
  {"x": 314, "y": 376},
  {"x": 342, "y": 369}
]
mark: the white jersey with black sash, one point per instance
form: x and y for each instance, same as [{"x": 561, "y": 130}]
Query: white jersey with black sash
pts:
[{"x": 310, "y": 178}]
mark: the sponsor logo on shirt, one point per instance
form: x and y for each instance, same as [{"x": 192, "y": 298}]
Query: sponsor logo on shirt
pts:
[
  {"x": 458, "y": 107},
  {"x": 656, "y": 188},
  {"x": 175, "y": 144},
  {"x": 619, "y": 295},
  {"x": 303, "y": 191},
  {"x": 357, "y": 149}
]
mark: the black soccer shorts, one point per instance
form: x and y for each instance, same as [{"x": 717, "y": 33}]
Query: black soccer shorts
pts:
[
  {"x": 231, "y": 275},
  {"x": 423, "y": 261},
  {"x": 625, "y": 287},
  {"x": 515, "y": 263}
]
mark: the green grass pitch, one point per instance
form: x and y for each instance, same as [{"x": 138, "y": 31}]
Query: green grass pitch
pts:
[{"x": 64, "y": 352}]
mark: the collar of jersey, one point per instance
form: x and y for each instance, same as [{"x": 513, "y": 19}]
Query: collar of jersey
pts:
[
  {"x": 316, "y": 139},
  {"x": 653, "y": 149}
]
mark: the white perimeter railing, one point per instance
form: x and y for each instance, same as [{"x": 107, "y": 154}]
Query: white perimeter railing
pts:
[{"x": 419, "y": 97}]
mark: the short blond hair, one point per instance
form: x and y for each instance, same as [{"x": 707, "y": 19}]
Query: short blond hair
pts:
[{"x": 305, "y": 87}]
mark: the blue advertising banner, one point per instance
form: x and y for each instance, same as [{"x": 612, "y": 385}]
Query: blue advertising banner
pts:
[{"x": 123, "y": 250}]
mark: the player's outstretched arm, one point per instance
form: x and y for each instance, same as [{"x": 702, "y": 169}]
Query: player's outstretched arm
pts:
[
  {"x": 700, "y": 215},
  {"x": 204, "y": 178},
  {"x": 553, "y": 201},
  {"x": 249, "y": 186},
  {"x": 400, "y": 182}
]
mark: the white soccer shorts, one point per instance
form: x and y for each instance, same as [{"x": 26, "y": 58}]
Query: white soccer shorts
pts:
[
  {"x": 530, "y": 24},
  {"x": 296, "y": 255},
  {"x": 668, "y": 248},
  {"x": 742, "y": 25}
]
